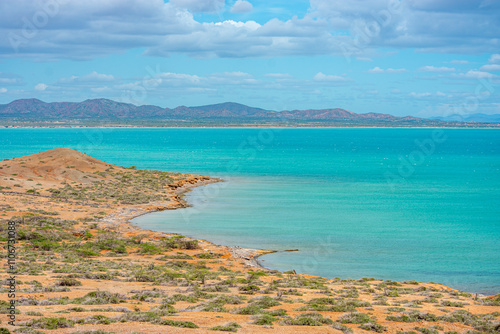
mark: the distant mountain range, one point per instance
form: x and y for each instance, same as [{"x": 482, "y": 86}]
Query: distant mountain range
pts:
[
  {"x": 104, "y": 110},
  {"x": 483, "y": 118}
]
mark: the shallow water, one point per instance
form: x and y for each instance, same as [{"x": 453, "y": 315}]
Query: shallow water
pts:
[{"x": 388, "y": 203}]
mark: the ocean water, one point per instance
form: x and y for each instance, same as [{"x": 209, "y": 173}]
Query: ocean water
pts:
[{"x": 401, "y": 204}]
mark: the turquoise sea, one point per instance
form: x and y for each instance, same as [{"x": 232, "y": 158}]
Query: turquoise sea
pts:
[{"x": 398, "y": 204}]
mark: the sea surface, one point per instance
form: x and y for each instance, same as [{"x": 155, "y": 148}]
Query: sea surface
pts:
[{"x": 400, "y": 204}]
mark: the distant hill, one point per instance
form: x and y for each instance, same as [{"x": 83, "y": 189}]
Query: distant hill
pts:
[
  {"x": 483, "y": 118},
  {"x": 104, "y": 110}
]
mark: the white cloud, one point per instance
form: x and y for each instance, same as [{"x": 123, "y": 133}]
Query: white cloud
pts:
[
  {"x": 10, "y": 79},
  {"x": 389, "y": 70},
  {"x": 376, "y": 70},
  {"x": 328, "y": 78},
  {"x": 93, "y": 28},
  {"x": 435, "y": 69},
  {"x": 490, "y": 67},
  {"x": 474, "y": 74},
  {"x": 241, "y": 6},
  {"x": 41, "y": 87},
  {"x": 495, "y": 58},
  {"x": 91, "y": 77},
  {"x": 3, "y": 90}
]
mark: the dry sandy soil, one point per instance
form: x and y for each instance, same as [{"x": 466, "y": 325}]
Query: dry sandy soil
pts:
[{"x": 82, "y": 268}]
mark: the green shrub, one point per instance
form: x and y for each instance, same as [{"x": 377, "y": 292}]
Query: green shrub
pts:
[
  {"x": 68, "y": 282},
  {"x": 307, "y": 319},
  {"x": 229, "y": 327},
  {"x": 355, "y": 318},
  {"x": 264, "y": 319},
  {"x": 99, "y": 298},
  {"x": 370, "y": 326},
  {"x": 177, "y": 323},
  {"x": 343, "y": 328},
  {"x": 50, "y": 323},
  {"x": 148, "y": 248}
]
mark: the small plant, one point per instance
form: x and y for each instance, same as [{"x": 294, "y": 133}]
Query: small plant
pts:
[
  {"x": 355, "y": 318},
  {"x": 68, "y": 282},
  {"x": 229, "y": 327},
  {"x": 50, "y": 323},
  {"x": 307, "y": 319},
  {"x": 370, "y": 326}
]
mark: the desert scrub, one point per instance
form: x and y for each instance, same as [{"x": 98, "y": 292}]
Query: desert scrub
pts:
[
  {"x": 495, "y": 301},
  {"x": 23, "y": 330},
  {"x": 66, "y": 281},
  {"x": 429, "y": 330},
  {"x": 257, "y": 306},
  {"x": 148, "y": 248},
  {"x": 34, "y": 314},
  {"x": 208, "y": 255},
  {"x": 452, "y": 304},
  {"x": 484, "y": 323},
  {"x": 264, "y": 319},
  {"x": 333, "y": 305},
  {"x": 412, "y": 316},
  {"x": 177, "y": 323},
  {"x": 179, "y": 242},
  {"x": 307, "y": 319},
  {"x": 4, "y": 307},
  {"x": 355, "y": 318},
  {"x": 49, "y": 323},
  {"x": 178, "y": 256},
  {"x": 343, "y": 328},
  {"x": 142, "y": 295},
  {"x": 217, "y": 304},
  {"x": 370, "y": 326},
  {"x": 96, "y": 320},
  {"x": 229, "y": 327},
  {"x": 100, "y": 298}
]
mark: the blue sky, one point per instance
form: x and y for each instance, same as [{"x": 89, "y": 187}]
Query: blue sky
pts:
[{"x": 409, "y": 57}]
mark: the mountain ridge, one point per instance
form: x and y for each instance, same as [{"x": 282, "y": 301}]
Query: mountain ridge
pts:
[{"x": 110, "y": 110}]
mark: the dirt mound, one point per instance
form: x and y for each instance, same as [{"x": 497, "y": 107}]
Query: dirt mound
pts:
[{"x": 56, "y": 165}]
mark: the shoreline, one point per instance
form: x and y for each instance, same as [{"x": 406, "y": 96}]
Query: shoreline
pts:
[{"x": 250, "y": 255}]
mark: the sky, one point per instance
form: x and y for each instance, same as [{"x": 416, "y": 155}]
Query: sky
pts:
[{"x": 402, "y": 57}]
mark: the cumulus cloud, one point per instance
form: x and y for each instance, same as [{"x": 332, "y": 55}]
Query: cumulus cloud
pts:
[
  {"x": 93, "y": 28},
  {"x": 377, "y": 69},
  {"x": 490, "y": 67},
  {"x": 10, "y": 79},
  {"x": 91, "y": 77},
  {"x": 435, "y": 69},
  {"x": 241, "y": 6},
  {"x": 3, "y": 90},
  {"x": 475, "y": 74},
  {"x": 329, "y": 78},
  {"x": 494, "y": 59},
  {"x": 41, "y": 87}
]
